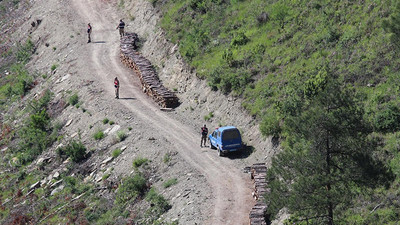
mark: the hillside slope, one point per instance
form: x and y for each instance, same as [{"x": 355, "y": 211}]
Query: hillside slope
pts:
[
  {"x": 322, "y": 77},
  {"x": 71, "y": 104}
]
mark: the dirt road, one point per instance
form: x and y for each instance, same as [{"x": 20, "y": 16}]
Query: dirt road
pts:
[{"x": 230, "y": 187}]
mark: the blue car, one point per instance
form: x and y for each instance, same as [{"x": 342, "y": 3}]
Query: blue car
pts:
[{"x": 225, "y": 139}]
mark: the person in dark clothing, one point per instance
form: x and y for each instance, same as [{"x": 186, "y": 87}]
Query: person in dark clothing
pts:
[
  {"x": 89, "y": 31},
  {"x": 204, "y": 132},
  {"x": 121, "y": 27},
  {"x": 116, "y": 85}
]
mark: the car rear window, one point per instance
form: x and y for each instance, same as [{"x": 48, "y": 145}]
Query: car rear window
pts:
[{"x": 230, "y": 135}]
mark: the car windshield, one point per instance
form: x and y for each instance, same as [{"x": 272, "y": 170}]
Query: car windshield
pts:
[{"x": 230, "y": 135}]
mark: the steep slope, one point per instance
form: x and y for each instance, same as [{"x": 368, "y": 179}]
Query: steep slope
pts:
[{"x": 210, "y": 189}]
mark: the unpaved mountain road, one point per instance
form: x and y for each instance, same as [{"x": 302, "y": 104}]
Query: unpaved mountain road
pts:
[{"x": 231, "y": 188}]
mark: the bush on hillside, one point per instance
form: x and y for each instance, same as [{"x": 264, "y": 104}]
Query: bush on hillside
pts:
[
  {"x": 131, "y": 188},
  {"x": 75, "y": 150}
]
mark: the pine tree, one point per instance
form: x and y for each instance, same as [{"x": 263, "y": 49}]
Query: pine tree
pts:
[{"x": 326, "y": 155}]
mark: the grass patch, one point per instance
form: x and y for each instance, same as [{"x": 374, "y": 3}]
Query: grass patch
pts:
[
  {"x": 75, "y": 150},
  {"x": 131, "y": 188},
  {"x": 116, "y": 153},
  {"x": 73, "y": 99},
  {"x": 121, "y": 135},
  {"x": 138, "y": 162},
  {"x": 53, "y": 67},
  {"x": 111, "y": 122},
  {"x": 98, "y": 135},
  {"x": 209, "y": 116},
  {"x": 170, "y": 182},
  {"x": 167, "y": 158},
  {"x": 105, "y": 120}
]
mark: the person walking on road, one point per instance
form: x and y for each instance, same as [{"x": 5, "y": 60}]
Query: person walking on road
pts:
[
  {"x": 204, "y": 132},
  {"x": 121, "y": 27},
  {"x": 89, "y": 31},
  {"x": 116, "y": 85}
]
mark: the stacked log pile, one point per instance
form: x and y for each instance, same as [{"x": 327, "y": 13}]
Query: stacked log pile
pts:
[
  {"x": 151, "y": 85},
  {"x": 258, "y": 214}
]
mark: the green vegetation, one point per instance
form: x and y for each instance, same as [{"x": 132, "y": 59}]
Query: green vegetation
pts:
[
  {"x": 116, "y": 153},
  {"x": 25, "y": 51},
  {"x": 75, "y": 150},
  {"x": 111, "y": 122},
  {"x": 159, "y": 205},
  {"x": 98, "y": 135},
  {"x": 121, "y": 135},
  {"x": 170, "y": 182},
  {"x": 53, "y": 67},
  {"x": 312, "y": 72},
  {"x": 73, "y": 99},
  {"x": 167, "y": 158},
  {"x": 138, "y": 162},
  {"x": 209, "y": 116},
  {"x": 105, "y": 120},
  {"x": 131, "y": 188}
]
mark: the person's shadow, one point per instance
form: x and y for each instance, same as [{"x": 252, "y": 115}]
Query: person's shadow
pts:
[
  {"x": 98, "y": 42},
  {"x": 127, "y": 98}
]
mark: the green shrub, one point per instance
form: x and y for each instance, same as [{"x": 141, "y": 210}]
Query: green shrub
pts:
[
  {"x": 25, "y": 51},
  {"x": 270, "y": 124},
  {"x": 34, "y": 137},
  {"x": 75, "y": 150},
  {"x": 54, "y": 67},
  {"x": 170, "y": 182},
  {"x": 139, "y": 162},
  {"x": 111, "y": 122},
  {"x": 239, "y": 39},
  {"x": 388, "y": 118},
  {"x": 131, "y": 188},
  {"x": 98, "y": 135},
  {"x": 129, "y": 128},
  {"x": 105, "y": 120},
  {"x": 116, "y": 153},
  {"x": 160, "y": 204},
  {"x": 166, "y": 158},
  {"x": 105, "y": 176},
  {"x": 121, "y": 135},
  {"x": 209, "y": 116},
  {"x": 73, "y": 99}
]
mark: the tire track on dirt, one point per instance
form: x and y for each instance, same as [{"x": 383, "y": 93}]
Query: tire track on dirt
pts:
[{"x": 230, "y": 187}]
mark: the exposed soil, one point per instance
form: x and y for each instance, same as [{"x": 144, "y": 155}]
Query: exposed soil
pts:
[{"x": 210, "y": 189}]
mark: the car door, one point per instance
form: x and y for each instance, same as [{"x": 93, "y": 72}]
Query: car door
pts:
[{"x": 213, "y": 138}]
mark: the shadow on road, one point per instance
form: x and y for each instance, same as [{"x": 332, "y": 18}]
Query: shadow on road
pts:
[
  {"x": 127, "y": 98},
  {"x": 98, "y": 42},
  {"x": 242, "y": 154}
]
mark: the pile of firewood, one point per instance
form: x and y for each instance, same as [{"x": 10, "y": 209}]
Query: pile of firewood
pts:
[
  {"x": 258, "y": 214},
  {"x": 148, "y": 77}
]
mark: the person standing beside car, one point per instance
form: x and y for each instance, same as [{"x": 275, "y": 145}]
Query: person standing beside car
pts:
[{"x": 204, "y": 132}]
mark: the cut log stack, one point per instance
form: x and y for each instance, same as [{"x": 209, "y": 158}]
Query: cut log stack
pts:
[
  {"x": 258, "y": 214},
  {"x": 151, "y": 85}
]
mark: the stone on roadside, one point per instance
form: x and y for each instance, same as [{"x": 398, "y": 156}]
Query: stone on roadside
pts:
[
  {"x": 68, "y": 123},
  {"x": 56, "y": 175},
  {"x": 107, "y": 160},
  {"x": 115, "y": 129},
  {"x": 56, "y": 190},
  {"x": 35, "y": 185}
]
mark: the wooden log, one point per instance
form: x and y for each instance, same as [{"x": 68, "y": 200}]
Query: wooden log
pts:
[{"x": 142, "y": 67}]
